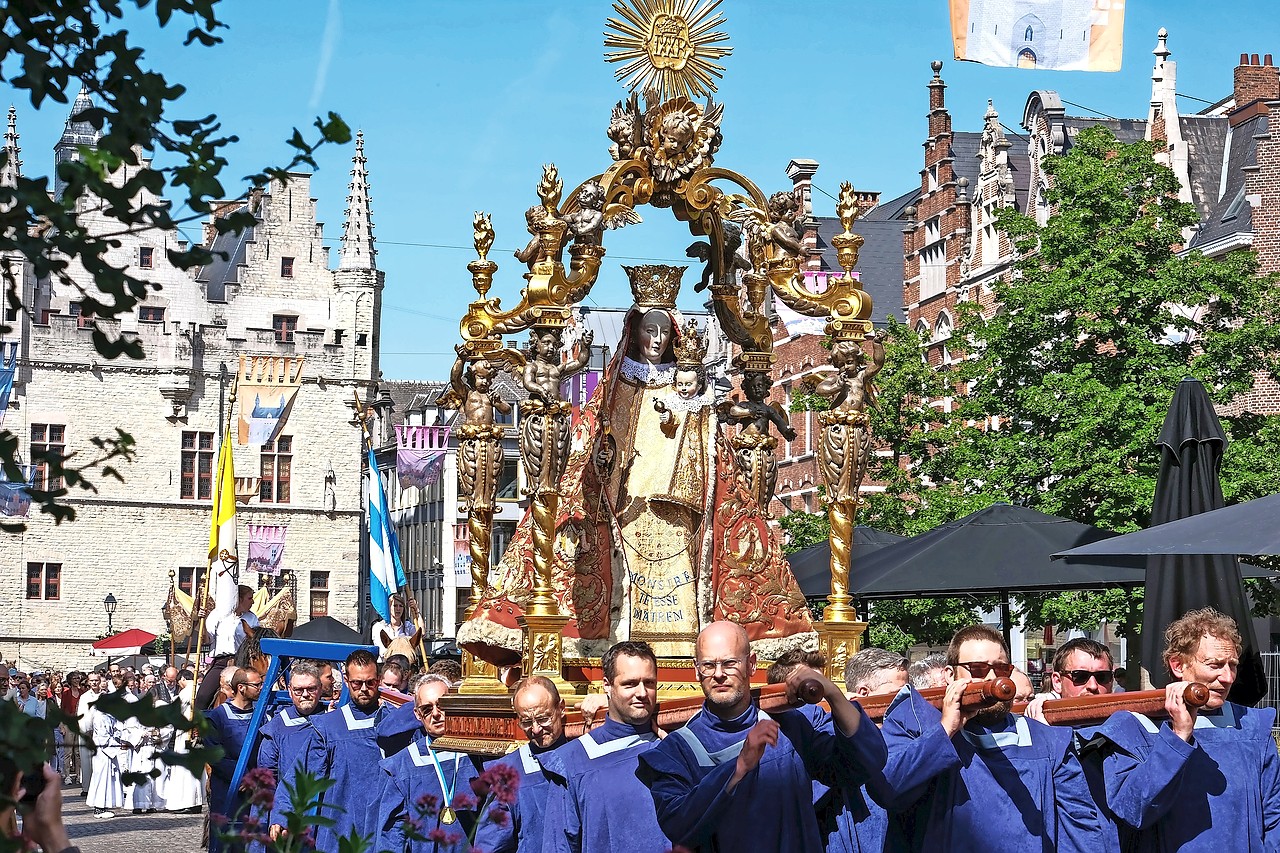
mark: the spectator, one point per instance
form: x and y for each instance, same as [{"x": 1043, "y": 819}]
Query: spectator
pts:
[{"x": 928, "y": 672}]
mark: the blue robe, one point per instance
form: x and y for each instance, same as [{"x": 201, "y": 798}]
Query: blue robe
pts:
[
  {"x": 523, "y": 829},
  {"x": 409, "y": 775},
  {"x": 398, "y": 728},
  {"x": 1012, "y": 788},
  {"x": 596, "y": 804},
  {"x": 283, "y": 744},
  {"x": 229, "y": 730},
  {"x": 1219, "y": 793},
  {"x": 850, "y": 820},
  {"x": 772, "y": 807},
  {"x": 342, "y": 747}
]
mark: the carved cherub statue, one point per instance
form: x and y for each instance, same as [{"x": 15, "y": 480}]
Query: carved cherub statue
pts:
[
  {"x": 533, "y": 218},
  {"x": 543, "y": 372},
  {"x": 587, "y": 222},
  {"x": 701, "y": 250},
  {"x": 847, "y": 382},
  {"x": 473, "y": 385},
  {"x": 623, "y": 124},
  {"x": 783, "y": 208},
  {"x": 755, "y": 414}
]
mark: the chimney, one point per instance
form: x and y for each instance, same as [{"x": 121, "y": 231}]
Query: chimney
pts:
[{"x": 1256, "y": 81}]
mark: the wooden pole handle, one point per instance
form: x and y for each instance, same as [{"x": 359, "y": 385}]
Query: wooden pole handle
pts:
[{"x": 1087, "y": 710}]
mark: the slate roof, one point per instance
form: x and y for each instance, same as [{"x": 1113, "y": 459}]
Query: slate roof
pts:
[
  {"x": 965, "y": 149},
  {"x": 1205, "y": 137},
  {"x": 880, "y": 260},
  {"x": 223, "y": 271},
  {"x": 1231, "y": 214}
]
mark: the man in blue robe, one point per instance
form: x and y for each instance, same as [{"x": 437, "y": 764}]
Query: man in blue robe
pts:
[
  {"x": 343, "y": 747},
  {"x": 736, "y": 778},
  {"x": 229, "y": 724},
  {"x": 852, "y": 821},
  {"x": 540, "y": 714},
  {"x": 596, "y": 804},
  {"x": 284, "y": 738},
  {"x": 1202, "y": 780},
  {"x": 981, "y": 780},
  {"x": 425, "y": 788}
]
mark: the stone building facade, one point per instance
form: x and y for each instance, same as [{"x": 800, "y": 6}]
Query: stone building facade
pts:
[{"x": 275, "y": 294}]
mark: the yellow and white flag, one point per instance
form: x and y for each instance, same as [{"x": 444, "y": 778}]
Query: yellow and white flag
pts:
[
  {"x": 224, "y": 559},
  {"x": 1059, "y": 35}
]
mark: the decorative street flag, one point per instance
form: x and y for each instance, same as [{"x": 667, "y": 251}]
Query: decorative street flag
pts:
[
  {"x": 1059, "y": 35},
  {"x": 266, "y": 548},
  {"x": 268, "y": 385},
  {"x": 8, "y": 367},
  {"x": 385, "y": 574},
  {"x": 14, "y": 499},
  {"x": 224, "y": 559},
  {"x": 420, "y": 452}
]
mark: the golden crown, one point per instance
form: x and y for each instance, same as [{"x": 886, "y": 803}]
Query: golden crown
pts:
[
  {"x": 655, "y": 285},
  {"x": 691, "y": 349}
]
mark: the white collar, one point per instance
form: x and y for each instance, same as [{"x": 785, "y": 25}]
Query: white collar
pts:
[
  {"x": 713, "y": 759},
  {"x": 354, "y": 724},
  {"x": 1020, "y": 736},
  {"x": 527, "y": 760},
  {"x": 292, "y": 718},
  {"x": 653, "y": 375},
  {"x": 599, "y": 750},
  {"x": 676, "y": 403}
]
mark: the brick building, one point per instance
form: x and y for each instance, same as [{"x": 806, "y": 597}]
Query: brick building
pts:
[{"x": 276, "y": 294}]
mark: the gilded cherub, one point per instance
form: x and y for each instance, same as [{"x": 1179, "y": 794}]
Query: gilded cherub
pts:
[
  {"x": 623, "y": 124},
  {"x": 473, "y": 384},
  {"x": 543, "y": 372},
  {"x": 847, "y": 382},
  {"x": 783, "y": 208}
]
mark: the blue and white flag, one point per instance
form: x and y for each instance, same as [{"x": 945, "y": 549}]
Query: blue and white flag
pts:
[
  {"x": 8, "y": 368},
  {"x": 14, "y": 500},
  {"x": 386, "y": 575}
]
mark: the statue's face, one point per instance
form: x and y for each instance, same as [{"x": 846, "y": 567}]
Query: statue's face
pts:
[
  {"x": 547, "y": 346},
  {"x": 687, "y": 383},
  {"x": 757, "y": 385},
  {"x": 589, "y": 197},
  {"x": 652, "y": 337}
]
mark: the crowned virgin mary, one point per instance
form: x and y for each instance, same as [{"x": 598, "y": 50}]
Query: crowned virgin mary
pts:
[{"x": 657, "y": 535}]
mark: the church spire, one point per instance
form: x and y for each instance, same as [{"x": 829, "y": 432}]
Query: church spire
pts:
[
  {"x": 12, "y": 168},
  {"x": 357, "y": 251},
  {"x": 74, "y": 135}
]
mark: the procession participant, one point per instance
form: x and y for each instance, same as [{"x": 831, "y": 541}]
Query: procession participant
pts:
[
  {"x": 422, "y": 771},
  {"x": 851, "y": 820},
  {"x": 106, "y": 793},
  {"x": 182, "y": 790},
  {"x": 384, "y": 631},
  {"x": 540, "y": 715},
  {"x": 394, "y": 677},
  {"x": 344, "y": 748},
  {"x": 1206, "y": 779},
  {"x": 928, "y": 672},
  {"x": 981, "y": 779},
  {"x": 1081, "y": 667},
  {"x": 229, "y": 724},
  {"x": 166, "y": 689},
  {"x": 94, "y": 684},
  {"x": 284, "y": 738},
  {"x": 140, "y": 742},
  {"x": 227, "y": 633},
  {"x": 69, "y": 704},
  {"x": 596, "y": 803},
  {"x": 736, "y": 778}
]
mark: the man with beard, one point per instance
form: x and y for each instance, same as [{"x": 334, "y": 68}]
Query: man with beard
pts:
[
  {"x": 540, "y": 714},
  {"x": 1206, "y": 779},
  {"x": 343, "y": 747},
  {"x": 985, "y": 779},
  {"x": 596, "y": 803},
  {"x": 736, "y": 778},
  {"x": 285, "y": 737},
  {"x": 420, "y": 774},
  {"x": 229, "y": 729}
]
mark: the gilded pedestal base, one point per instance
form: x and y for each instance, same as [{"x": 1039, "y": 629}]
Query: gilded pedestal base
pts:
[
  {"x": 544, "y": 649},
  {"x": 479, "y": 677},
  {"x": 838, "y": 641}
]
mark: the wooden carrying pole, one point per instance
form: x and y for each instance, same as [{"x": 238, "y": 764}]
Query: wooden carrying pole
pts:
[{"x": 1091, "y": 710}]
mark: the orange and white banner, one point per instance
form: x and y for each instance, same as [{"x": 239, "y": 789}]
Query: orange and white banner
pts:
[
  {"x": 1059, "y": 35},
  {"x": 266, "y": 387}
]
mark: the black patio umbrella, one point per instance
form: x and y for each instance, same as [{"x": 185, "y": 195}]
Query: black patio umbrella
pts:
[
  {"x": 1248, "y": 529},
  {"x": 812, "y": 566},
  {"x": 326, "y": 629},
  {"x": 1191, "y": 445}
]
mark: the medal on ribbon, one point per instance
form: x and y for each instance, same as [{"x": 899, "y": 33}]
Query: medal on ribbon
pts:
[{"x": 447, "y": 814}]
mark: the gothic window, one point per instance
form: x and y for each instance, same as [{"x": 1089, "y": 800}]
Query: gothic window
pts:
[
  {"x": 284, "y": 326},
  {"x": 319, "y": 594},
  {"x": 48, "y": 442},
  {"x": 1029, "y": 35},
  {"x": 197, "y": 466},
  {"x": 276, "y": 470},
  {"x": 942, "y": 329}
]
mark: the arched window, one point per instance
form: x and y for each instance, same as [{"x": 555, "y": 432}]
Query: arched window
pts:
[
  {"x": 942, "y": 328},
  {"x": 1029, "y": 35}
]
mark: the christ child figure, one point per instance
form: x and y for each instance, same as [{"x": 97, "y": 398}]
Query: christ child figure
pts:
[{"x": 690, "y": 383}]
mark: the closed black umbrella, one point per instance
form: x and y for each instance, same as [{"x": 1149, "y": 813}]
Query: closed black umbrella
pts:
[
  {"x": 812, "y": 566},
  {"x": 1191, "y": 445}
]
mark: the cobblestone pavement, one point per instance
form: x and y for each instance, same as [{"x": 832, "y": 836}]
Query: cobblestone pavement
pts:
[{"x": 127, "y": 832}]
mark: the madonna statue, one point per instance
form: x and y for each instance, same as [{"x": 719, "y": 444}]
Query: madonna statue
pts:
[{"x": 657, "y": 534}]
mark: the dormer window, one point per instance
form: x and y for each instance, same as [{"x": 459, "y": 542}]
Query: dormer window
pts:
[{"x": 151, "y": 314}]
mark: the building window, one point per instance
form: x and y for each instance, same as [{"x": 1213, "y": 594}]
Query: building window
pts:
[
  {"x": 337, "y": 337},
  {"x": 48, "y": 442},
  {"x": 509, "y": 482},
  {"x": 44, "y": 581},
  {"x": 191, "y": 579},
  {"x": 84, "y": 319},
  {"x": 10, "y": 314},
  {"x": 146, "y": 257},
  {"x": 502, "y": 418},
  {"x": 319, "y": 594},
  {"x": 284, "y": 325},
  {"x": 151, "y": 314},
  {"x": 362, "y": 340},
  {"x": 933, "y": 270},
  {"x": 197, "y": 465},
  {"x": 286, "y": 267},
  {"x": 277, "y": 467}
]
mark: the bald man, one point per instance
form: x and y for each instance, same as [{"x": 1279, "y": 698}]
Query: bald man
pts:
[
  {"x": 736, "y": 778},
  {"x": 540, "y": 714}
]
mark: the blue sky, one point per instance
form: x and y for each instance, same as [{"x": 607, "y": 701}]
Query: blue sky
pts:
[{"x": 462, "y": 102}]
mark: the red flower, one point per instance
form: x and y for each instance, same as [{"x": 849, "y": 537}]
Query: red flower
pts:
[{"x": 503, "y": 781}]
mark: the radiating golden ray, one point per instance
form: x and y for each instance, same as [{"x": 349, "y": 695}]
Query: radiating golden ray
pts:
[{"x": 669, "y": 46}]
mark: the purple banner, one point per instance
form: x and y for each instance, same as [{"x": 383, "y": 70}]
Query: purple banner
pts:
[{"x": 266, "y": 548}]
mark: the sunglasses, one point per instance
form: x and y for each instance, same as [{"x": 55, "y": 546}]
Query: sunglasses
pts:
[
  {"x": 356, "y": 683},
  {"x": 979, "y": 668},
  {"x": 1080, "y": 677}
]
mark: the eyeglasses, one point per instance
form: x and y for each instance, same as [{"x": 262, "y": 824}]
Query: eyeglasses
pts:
[
  {"x": 257, "y": 685},
  {"x": 355, "y": 683},
  {"x": 527, "y": 723},
  {"x": 708, "y": 667},
  {"x": 304, "y": 690},
  {"x": 980, "y": 668},
  {"x": 1080, "y": 677},
  {"x": 426, "y": 709}
]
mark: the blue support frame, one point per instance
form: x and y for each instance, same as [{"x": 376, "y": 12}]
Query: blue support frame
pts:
[{"x": 283, "y": 652}]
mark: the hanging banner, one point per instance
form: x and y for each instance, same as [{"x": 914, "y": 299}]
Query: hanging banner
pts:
[
  {"x": 8, "y": 369},
  {"x": 14, "y": 500},
  {"x": 797, "y": 323},
  {"x": 267, "y": 386},
  {"x": 420, "y": 453},
  {"x": 1057, "y": 35},
  {"x": 266, "y": 548}
]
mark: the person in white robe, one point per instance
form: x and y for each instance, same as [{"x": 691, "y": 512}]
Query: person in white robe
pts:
[
  {"x": 182, "y": 790},
  {"x": 106, "y": 793}
]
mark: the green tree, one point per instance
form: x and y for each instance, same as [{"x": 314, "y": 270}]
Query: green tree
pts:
[{"x": 52, "y": 49}]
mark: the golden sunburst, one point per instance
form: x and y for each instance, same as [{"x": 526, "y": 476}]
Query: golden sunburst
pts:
[{"x": 669, "y": 46}]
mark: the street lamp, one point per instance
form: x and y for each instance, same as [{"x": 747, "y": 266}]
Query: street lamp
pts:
[{"x": 109, "y": 604}]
